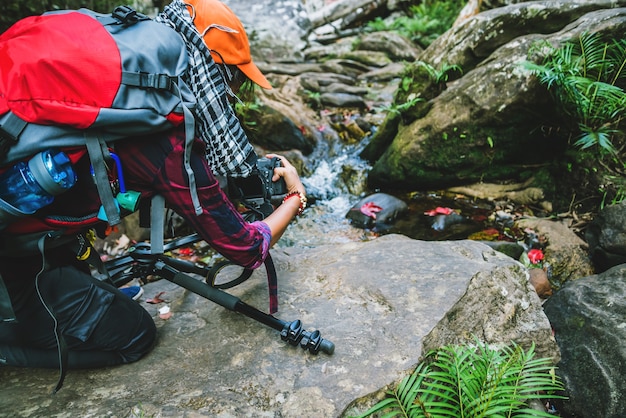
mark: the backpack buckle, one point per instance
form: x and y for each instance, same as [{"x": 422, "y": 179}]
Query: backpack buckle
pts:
[
  {"x": 126, "y": 15},
  {"x": 6, "y": 142}
]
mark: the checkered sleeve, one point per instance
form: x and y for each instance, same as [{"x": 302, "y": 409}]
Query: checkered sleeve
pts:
[{"x": 228, "y": 150}]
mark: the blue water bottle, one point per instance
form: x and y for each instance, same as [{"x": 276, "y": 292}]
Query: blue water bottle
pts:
[{"x": 29, "y": 186}]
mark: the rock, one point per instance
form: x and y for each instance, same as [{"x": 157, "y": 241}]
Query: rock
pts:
[
  {"x": 606, "y": 236},
  {"x": 485, "y": 136},
  {"x": 337, "y": 88},
  {"x": 442, "y": 222},
  {"x": 506, "y": 301},
  {"x": 588, "y": 315},
  {"x": 348, "y": 67},
  {"x": 539, "y": 280},
  {"x": 342, "y": 100},
  {"x": 378, "y": 210},
  {"x": 374, "y": 59},
  {"x": 319, "y": 81},
  {"x": 477, "y": 38},
  {"x": 527, "y": 196},
  {"x": 269, "y": 68},
  {"x": 566, "y": 252},
  {"x": 317, "y": 52},
  {"x": 261, "y": 19},
  {"x": 376, "y": 301},
  {"x": 484, "y": 190},
  {"x": 285, "y": 135},
  {"x": 395, "y": 46},
  {"x": 512, "y": 249},
  {"x": 387, "y": 73}
]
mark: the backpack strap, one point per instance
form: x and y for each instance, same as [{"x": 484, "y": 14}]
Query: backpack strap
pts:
[
  {"x": 58, "y": 334},
  {"x": 154, "y": 81},
  {"x": 190, "y": 135},
  {"x": 98, "y": 149},
  {"x": 11, "y": 127},
  {"x": 6, "y": 309},
  {"x": 157, "y": 222}
]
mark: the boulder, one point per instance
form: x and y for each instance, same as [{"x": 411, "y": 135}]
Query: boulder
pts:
[
  {"x": 381, "y": 302},
  {"x": 606, "y": 236},
  {"x": 588, "y": 315},
  {"x": 473, "y": 41},
  {"x": 378, "y": 210},
  {"x": 489, "y": 124},
  {"x": 566, "y": 253}
]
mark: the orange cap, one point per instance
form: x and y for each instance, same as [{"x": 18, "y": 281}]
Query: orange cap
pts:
[{"x": 225, "y": 36}]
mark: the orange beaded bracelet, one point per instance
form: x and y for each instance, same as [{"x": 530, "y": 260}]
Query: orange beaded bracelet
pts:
[{"x": 302, "y": 198}]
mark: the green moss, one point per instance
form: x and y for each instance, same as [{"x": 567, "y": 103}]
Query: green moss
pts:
[{"x": 382, "y": 138}]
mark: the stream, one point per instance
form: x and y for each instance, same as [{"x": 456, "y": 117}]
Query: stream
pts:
[{"x": 329, "y": 191}]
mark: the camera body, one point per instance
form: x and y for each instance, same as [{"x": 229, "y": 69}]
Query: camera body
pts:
[
  {"x": 257, "y": 192},
  {"x": 265, "y": 169}
]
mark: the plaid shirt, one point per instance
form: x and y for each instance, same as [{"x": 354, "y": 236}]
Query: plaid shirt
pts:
[
  {"x": 154, "y": 165},
  {"x": 228, "y": 150}
]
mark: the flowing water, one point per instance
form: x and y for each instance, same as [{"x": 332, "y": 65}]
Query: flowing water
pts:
[{"x": 338, "y": 183}]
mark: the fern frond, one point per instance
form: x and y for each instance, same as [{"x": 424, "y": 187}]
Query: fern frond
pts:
[
  {"x": 592, "y": 137},
  {"x": 592, "y": 52},
  {"x": 618, "y": 54},
  {"x": 473, "y": 381}
]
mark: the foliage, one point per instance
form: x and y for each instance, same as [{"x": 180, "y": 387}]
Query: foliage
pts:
[
  {"x": 587, "y": 79},
  {"x": 420, "y": 82},
  {"x": 612, "y": 183},
  {"x": 426, "y": 21},
  {"x": 399, "y": 109},
  {"x": 472, "y": 381},
  {"x": 248, "y": 112},
  {"x": 442, "y": 74}
]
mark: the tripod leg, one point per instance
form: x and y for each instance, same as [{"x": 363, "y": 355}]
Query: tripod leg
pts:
[{"x": 290, "y": 331}]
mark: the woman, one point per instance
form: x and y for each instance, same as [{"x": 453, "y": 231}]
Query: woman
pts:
[{"x": 64, "y": 316}]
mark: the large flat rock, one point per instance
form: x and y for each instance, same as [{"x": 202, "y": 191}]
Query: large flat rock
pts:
[{"x": 376, "y": 301}]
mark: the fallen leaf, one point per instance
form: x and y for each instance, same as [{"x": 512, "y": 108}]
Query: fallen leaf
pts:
[
  {"x": 439, "y": 211},
  {"x": 370, "y": 209},
  {"x": 156, "y": 299}
]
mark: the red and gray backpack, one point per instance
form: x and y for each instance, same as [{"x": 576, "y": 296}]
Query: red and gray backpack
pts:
[{"x": 80, "y": 79}]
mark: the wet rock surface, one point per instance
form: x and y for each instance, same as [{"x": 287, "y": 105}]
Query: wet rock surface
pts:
[{"x": 376, "y": 301}]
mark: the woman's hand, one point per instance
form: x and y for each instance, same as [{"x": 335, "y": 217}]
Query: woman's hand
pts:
[
  {"x": 289, "y": 173},
  {"x": 293, "y": 205}
]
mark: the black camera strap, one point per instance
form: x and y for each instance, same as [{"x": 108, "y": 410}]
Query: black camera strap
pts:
[
  {"x": 272, "y": 279},
  {"x": 272, "y": 283}
]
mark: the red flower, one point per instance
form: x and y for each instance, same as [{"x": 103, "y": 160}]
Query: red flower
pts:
[
  {"x": 186, "y": 252},
  {"x": 535, "y": 256}
]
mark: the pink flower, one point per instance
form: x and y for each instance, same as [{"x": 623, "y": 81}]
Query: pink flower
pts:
[
  {"x": 535, "y": 256},
  {"x": 439, "y": 211}
]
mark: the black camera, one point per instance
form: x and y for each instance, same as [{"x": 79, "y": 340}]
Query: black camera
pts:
[{"x": 258, "y": 192}]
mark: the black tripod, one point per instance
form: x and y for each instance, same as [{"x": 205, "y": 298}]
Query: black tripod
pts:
[{"x": 140, "y": 262}]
